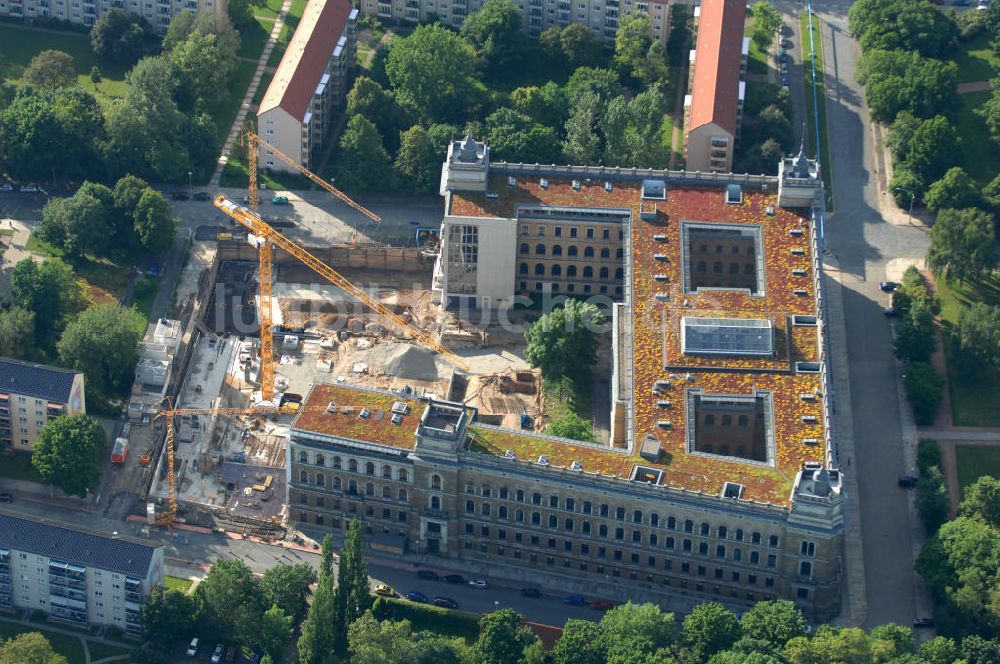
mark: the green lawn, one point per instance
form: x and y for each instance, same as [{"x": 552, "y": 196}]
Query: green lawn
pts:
[
  {"x": 38, "y": 246},
  {"x": 177, "y": 583},
  {"x": 757, "y": 62},
  {"x": 102, "y": 279},
  {"x": 820, "y": 99},
  {"x": 254, "y": 36},
  {"x": 19, "y": 45},
  {"x": 100, "y": 651},
  {"x": 982, "y": 158},
  {"x": 974, "y": 461},
  {"x": 268, "y": 8},
  {"x": 17, "y": 466},
  {"x": 68, "y": 646},
  {"x": 237, "y": 89},
  {"x": 976, "y": 60},
  {"x": 973, "y": 401}
]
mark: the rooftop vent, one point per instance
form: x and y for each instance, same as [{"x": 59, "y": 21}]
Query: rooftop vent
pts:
[
  {"x": 509, "y": 454},
  {"x": 661, "y": 385},
  {"x": 331, "y": 408},
  {"x": 800, "y": 292},
  {"x": 811, "y": 466},
  {"x": 511, "y": 181},
  {"x": 807, "y": 367},
  {"x": 732, "y": 490},
  {"x": 365, "y": 414},
  {"x": 665, "y": 424},
  {"x": 654, "y": 189},
  {"x": 662, "y": 297},
  {"x": 660, "y": 277},
  {"x": 650, "y": 449},
  {"x": 663, "y": 404},
  {"x": 808, "y": 396},
  {"x": 608, "y": 187},
  {"x": 798, "y": 272},
  {"x": 543, "y": 460},
  {"x": 810, "y": 419},
  {"x": 769, "y": 210},
  {"x": 660, "y": 238},
  {"x": 576, "y": 465},
  {"x": 734, "y": 194},
  {"x": 400, "y": 407},
  {"x": 804, "y": 320},
  {"x": 812, "y": 442},
  {"x": 660, "y": 257},
  {"x": 397, "y": 418},
  {"x": 796, "y": 232},
  {"x": 576, "y": 185},
  {"x": 798, "y": 252},
  {"x": 544, "y": 183},
  {"x": 492, "y": 195}
]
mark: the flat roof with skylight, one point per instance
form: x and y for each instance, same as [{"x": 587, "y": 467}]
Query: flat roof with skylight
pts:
[{"x": 727, "y": 336}]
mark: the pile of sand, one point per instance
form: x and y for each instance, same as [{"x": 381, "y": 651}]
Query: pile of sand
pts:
[{"x": 403, "y": 361}]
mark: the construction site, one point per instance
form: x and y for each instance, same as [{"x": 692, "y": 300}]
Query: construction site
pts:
[{"x": 226, "y": 394}]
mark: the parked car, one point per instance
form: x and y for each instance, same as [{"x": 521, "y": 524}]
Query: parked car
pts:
[
  {"x": 890, "y": 312},
  {"x": 193, "y": 647},
  {"x": 907, "y": 481},
  {"x": 28, "y": 188},
  {"x": 6, "y": 498},
  {"x": 923, "y": 622},
  {"x": 786, "y": 43},
  {"x": 575, "y": 600},
  {"x": 280, "y": 200},
  {"x": 453, "y": 578},
  {"x": 231, "y": 653},
  {"x": 217, "y": 653},
  {"x": 179, "y": 195},
  {"x": 784, "y": 58},
  {"x": 533, "y": 593},
  {"x": 888, "y": 286},
  {"x": 201, "y": 196},
  {"x": 416, "y": 596},
  {"x": 445, "y": 603},
  {"x": 482, "y": 584},
  {"x": 383, "y": 590},
  {"x": 6, "y": 186},
  {"x": 602, "y": 604},
  {"x": 427, "y": 575}
]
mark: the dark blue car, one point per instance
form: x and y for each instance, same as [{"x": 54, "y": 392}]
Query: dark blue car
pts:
[
  {"x": 416, "y": 596},
  {"x": 576, "y": 600}
]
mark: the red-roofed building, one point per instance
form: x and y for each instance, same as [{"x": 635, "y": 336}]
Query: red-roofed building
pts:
[
  {"x": 714, "y": 105},
  {"x": 310, "y": 82}
]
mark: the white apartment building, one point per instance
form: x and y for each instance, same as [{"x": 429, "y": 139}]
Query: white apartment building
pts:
[
  {"x": 31, "y": 395},
  {"x": 312, "y": 79},
  {"x": 74, "y": 575},
  {"x": 157, "y": 12},
  {"x": 601, "y": 16}
]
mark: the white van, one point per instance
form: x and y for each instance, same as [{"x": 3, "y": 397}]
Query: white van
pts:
[{"x": 193, "y": 648}]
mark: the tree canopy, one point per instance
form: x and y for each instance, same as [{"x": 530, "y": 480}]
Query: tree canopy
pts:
[
  {"x": 495, "y": 32},
  {"x": 48, "y": 290},
  {"x": 954, "y": 190},
  {"x": 897, "y": 81},
  {"x": 65, "y": 453},
  {"x": 564, "y": 340},
  {"x": 228, "y": 602},
  {"x": 29, "y": 648},
  {"x": 51, "y": 69},
  {"x": 120, "y": 37},
  {"x": 904, "y": 25},
  {"x": 962, "y": 244},
  {"x": 102, "y": 342}
]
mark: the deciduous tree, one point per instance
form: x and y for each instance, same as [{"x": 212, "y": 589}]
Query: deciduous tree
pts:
[
  {"x": 503, "y": 638},
  {"x": 65, "y": 453},
  {"x": 51, "y": 69},
  {"x": 515, "y": 137},
  {"x": 120, "y": 37},
  {"x": 898, "y": 81},
  {"x": 288, "y": 587},
  {"x": 934, "y": 148},
  {"x": 202, "y": 69},
  {"x": 17, "y": 333},
  {"x": 495, "y": 32},
  {"x": 48, "y": 290},
  {"x": 154, "y": 226},
  {"x": 364, "y": 162},
  {"x": 766, "y": 21},
  {"x": 955, "y": 190},
  {"x": 102, "y": 342},
  {"x": 977, "y": 339},
  {"x": 962, "y": 244},
  {"x": 228, "y": 602},
  {"x": 273, "y": 631},
  {"x": 29, "y": 648},
  {"x": 916, "y": 337},
  {"x": 564, "y": 340},
  {"x": 418, "y": 164},
  {"x": 981, "y": 499},
  {"x": 572, "y": 426},
  {"x": 316, "y": 644},
  {"x": 166, "y": 614},
  {"x": 773, "y": 621},
  {"x": 708, "y": 629},
  {"x": 905, "y": 25},
  {"x": 924, "y": 388},
  {"x": 373, "y": 102}
]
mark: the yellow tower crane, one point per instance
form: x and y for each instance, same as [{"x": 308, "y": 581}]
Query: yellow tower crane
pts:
[{"x": 265, "y": 235}]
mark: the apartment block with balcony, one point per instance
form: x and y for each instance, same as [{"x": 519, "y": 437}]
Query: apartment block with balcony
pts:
[
  {"x": 297, "y": 110},
  {"x": 713, "y": 107},
  {"x": 157, "y": 12},
  {"x": 31, "y": 395},
  {"x": 74, "y": 575},
  {"x": 600, "y": 16}
]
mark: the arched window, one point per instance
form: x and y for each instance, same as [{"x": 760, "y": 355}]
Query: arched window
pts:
[
  {"x": 556, "y": 270},
  {"x": 402, "y": 495},
  {"x": 502, "y": 512},
  {"x": 727, "y": 420},
  {"x": 744, "y": 420},
  {"x": 519, "y": 516},
  {"x": 671, "y": 523},
  {"x": 553, "y": 521},
  {"x": 523, "y": 268},
  {"x": 571, "y": 250},
  {"x": 387, "y": 472},
  {"x": 484, "y": 509},
  {"x": 588, "y": 252},
  {"x": 653, "y": 539},
  {"x": 570, "y": 270},
  {"x": 304, "y": 477},
  {"x": 602, "y": 531},
  {"x": 320, "y": 460},
  {"x": 336, "y": 482},
  {"x": 539, "y": 270},
  {"x": 702, "y": 266},
  {"x": 604, "y": 273},
  {"x": 470, "y": 488},
  {"x": 637, "y": 516},
  {"x": 588, "y": 272},
  {"x": 557, "y": 250},
  {"x": 636, "y": 536},
  {"x": 536, "y": 519},
  {"x": 570, "y": 505},
  {"x": 710, "y": 420},
  {"x": 619, "y": 274},
  {"x": 403, "y": 475},
  {"x": 805, "y": 568},
  {"x": 748, "y": 268},
  {"x": 386, "y": 491},
  {"x": 539, "y": 249},
  {"x": 369, "y": 489},
  {"x": 620, "y": 253},
  {"x": 303, "y": 457},
  {"x": 536, "y": 499},
  {"x": 369, "y": 468},
  {"x": 704, "y": 529},
  {"x": 352, "y": 488},
  {"x": 717, "y": 267},
  {"x": 320, "y": 479},
  {"x": 585, "y": 527},
  {"x": 568, "y": 524},
  {"x": 435, "y": 482},
  {"x": 734, "y": 268},
  {"x": 605, "y": 253},
  {"x": 620, "y": 513},
  {"x": 336, "y": 462},
  {"x": 525, "y": 248},
  {"x": 352, "y": 465},
  {"x": 435, "y": 502}
]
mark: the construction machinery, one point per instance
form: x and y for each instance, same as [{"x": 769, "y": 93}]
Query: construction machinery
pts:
[
  {"x": 262, "y": 236},
  {"x": 167, "y": 414}
]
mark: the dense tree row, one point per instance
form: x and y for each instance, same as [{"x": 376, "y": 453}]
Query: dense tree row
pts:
[
  {"x": 160, "y": 130},
  {"x": 915, "y": 342},
  {"x": 434, "y": 85}
]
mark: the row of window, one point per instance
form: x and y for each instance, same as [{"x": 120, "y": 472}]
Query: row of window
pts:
[
  {"x": 557, "y": 231},
  {"x": 570, "y": 288},
  {"x": 719, "y": 268},
  {"x": 572, "y": 250},
  {"x": 352, "y": 489},
  {"x": 353, "y": 466},
  {"x": 571, "y": 271}
]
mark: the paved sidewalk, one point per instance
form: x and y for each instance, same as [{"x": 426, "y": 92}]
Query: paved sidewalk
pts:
[{"x": 234, "y": 130}]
